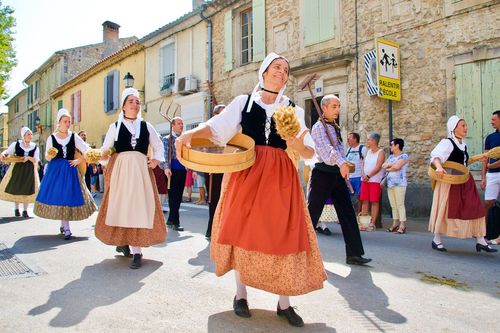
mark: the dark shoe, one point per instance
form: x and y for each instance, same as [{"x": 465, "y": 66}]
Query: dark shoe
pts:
[
  {"x": 292, "y": 317},
  {"x": 485, "y": 248},
  {"x": 170, "y": 223},
  {"x": 327, "y": 232},
  {"x": 137, "y": 261},
  {"x": 319, "y": 230},
  {"x": 17, "y": 213},
  {"x": 124, "y": 249},
  {"x": 61, "y": 230},
  {"x": 241, "y": 308},
  {"x": 67, "y": 234},
  {"x": 439, "y": 247},
  {"x": 177, "y": 227},
  {"x": 25, "y": 214},
  {"x": 357, "y": 260}
]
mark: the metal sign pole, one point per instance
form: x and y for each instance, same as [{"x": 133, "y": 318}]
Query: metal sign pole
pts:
[{"x": 390, "y": 120}]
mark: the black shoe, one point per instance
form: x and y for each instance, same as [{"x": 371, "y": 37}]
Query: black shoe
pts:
[
  {"x": 292, "y": 317},
  {"x": 177, "y": 227},
  {"x": 485, "y": 248},
  {"x": 124, "y": 249},
  {"x": 357, "y": 260},
  {"x": 327, "y": 232},
  {"x": 25, "y": 214},
  {"x": 170, "y": 223},
  {"x": 67, "y": 234},
  {"x": 61, "y": 230},
  {"x": 137, "y": 261},
  {"x": 439, "y": 247},
  {"x": 319, "y": 230},
  {"x": 241, "y": 308},
  {"x": 17, "y": 213}
]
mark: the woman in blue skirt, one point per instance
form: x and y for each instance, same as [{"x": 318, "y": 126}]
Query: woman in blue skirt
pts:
[{"x": 63, "y": 194}]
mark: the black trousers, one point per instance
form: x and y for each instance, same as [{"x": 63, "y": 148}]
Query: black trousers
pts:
[
  {"x": 326, "y": 184},
  {"x": 177, "y": 181},
  {"x": 214, "y": 198}
]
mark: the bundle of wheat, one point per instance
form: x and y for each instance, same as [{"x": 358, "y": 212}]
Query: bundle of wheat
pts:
[
  {"x": 287, "y": 122},
  {"x": 493, "y": 153},
  {"x": 52, "y": 152}
]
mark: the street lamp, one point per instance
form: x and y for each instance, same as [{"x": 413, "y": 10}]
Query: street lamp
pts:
[
  {"x": 128, "y": 80},
  {"x": 38, "y": 125}
]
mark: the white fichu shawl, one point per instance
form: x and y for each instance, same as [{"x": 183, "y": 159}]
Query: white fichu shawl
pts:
[
  {"x": 263, "y": 67},
  {"x": 127, "y": 92}
]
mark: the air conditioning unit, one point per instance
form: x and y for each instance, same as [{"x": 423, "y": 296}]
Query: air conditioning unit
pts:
[{"x": 187, "y": 85}]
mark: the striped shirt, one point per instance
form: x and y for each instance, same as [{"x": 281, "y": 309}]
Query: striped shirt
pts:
[{"x": 325, "y": 152}]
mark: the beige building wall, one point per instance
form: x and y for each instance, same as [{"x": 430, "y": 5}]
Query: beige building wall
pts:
[
  {"x": 93, "y": 118},
  {"x": 4, "y": 130},
  {"x": 17, "y": 115},
  {"x": 190, "y": 40}
]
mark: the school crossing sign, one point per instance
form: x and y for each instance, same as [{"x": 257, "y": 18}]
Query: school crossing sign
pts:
[{"x": 388, "y": 70}]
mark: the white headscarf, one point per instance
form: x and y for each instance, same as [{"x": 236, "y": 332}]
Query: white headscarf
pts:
[
  {"x": 127, "y": 92},
  {"x": 263, "y": 67},
  {"x": 452, "y": 124},
  {"x": 61, "y": 113},
  {"x": 25, "y": 130}
]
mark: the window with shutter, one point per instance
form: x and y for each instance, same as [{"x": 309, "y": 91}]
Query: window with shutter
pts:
[
  {"x": 319, "y": 20},
  {"x": 167, "y": 66}
]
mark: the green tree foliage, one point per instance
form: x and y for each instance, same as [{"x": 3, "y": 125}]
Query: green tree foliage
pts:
[{"x": 7, "y": 52}]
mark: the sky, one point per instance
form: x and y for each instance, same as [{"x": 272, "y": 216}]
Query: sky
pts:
[{"x": 46, "y": 26}]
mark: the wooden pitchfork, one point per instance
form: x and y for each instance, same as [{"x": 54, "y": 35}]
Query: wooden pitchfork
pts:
[
  {"x": 169, "y": 115},
  {"x": 307, "y": 84}
]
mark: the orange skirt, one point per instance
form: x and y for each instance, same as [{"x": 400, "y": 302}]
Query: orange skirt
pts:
[
  {"x": 263, "y": 230},
  {"x": 114, "y": 235}
]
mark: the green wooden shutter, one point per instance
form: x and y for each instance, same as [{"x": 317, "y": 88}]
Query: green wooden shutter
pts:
[
  {"x": 228, "y": 41},
  {"x": 468, "y": 105},
  {"x": 326, "y": 14},
  {"x": 116, "y": 90},
  {"x": 59, "y": 104},
  {"x": 311, "y": 21},
  {"x": 259, "y": 29},
  {"x": 490, "y": 92}
]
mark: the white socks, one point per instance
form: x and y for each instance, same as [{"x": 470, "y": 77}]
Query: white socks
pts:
[
  {"x": 322, "y": 225},
  {"x": 284, "y": 302},
  {"x": 437, "y": 239},
  {"x": 136, "y": 249},
  {"x": 481, "y": 240},
  {"x": 241, "y": 289}
]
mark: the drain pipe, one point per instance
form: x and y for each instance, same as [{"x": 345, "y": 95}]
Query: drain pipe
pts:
[{"x": 209, "y": 46}]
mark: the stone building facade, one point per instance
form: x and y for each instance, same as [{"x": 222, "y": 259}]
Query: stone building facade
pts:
[
  {"x": 17, "y": 107},
  {"x": 448, "y": 49}
]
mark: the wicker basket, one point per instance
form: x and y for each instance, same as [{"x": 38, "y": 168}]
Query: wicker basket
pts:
[
  {"x": 456, "y": 179},
  {"x": 239, "y": 154}
]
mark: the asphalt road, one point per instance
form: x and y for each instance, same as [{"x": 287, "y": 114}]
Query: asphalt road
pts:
[{"x": 84, "y": 285}]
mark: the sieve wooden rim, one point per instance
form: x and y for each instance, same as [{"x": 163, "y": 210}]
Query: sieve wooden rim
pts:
[
  {"x": 219, "y": 163},
  {"x": 450, "y": 179}
]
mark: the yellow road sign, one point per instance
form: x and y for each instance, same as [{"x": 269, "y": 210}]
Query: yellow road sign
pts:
[{"x": 388, "y": 70}]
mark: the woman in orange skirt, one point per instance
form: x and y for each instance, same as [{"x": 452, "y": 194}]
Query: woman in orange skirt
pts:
[
  {"x": 456, "y": 210},
  {"x": 262, "y": 228},
  {"x": 130, "y": 212}
]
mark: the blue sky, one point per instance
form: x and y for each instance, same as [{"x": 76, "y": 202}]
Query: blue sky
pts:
[{"x": 46, "y": 26}]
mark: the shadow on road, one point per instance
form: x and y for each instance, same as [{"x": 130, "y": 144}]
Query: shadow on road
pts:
[
  {"x": 101, "y": 284},
  {"x": 365, "y": 298},
  {"x": 41, "y": 243},
  {"x": 203, "y": 259},
  {"x": 261, "y": 321},
  {"x": 5, "y": 220}
]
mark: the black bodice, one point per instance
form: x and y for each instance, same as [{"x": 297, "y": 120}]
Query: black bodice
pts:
[
  {"x": 457, "y": 155},
  {"x": 253, "y": 124},
  {"x": 20, "y": 151},
  {"x": 70, "y": 148},
  {"x": 124, "y": 142}
]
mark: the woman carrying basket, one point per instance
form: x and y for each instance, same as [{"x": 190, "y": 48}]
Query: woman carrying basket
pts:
[
  {"x": 262, "y": 228},
  {"x": 456, "y": 210}
]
